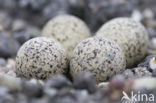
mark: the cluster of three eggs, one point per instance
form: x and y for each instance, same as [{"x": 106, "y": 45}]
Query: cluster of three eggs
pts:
[{"x": 118, "y": 43}]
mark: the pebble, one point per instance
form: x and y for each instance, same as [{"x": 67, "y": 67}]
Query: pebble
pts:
[
  {"x": 25, "y": 33},
  {"x": 21, "y": 36},
  {"x": 18, "y": 24},
  {"x": 136, "y": 15},
  {"x": 33, "y": 31},
  {"x": 11, "y": 61},
  {"x": 151, "y": 32},
  {"x": 8, "y": 4},
  {"x": 152, "y": 47},
  {"x": 145, "y": 82},
  {"x": 40, "y": 100},
  {"x": 128, "y": 74},
  {"x": 77, "y": 7},
  {"x": 103, "y": 84},
  {"x": 5, "y": 21},
  {"x": 141, "y": 72},
  {"x": 33, "y": 4},
  {"x": 9, "y": 68},
  {"x": 3, "y": 91},
  {"x": 54, "y": 8},
  {"x": 58, "y": 82},
  {"x": 85, "y": 80},
  {"x": 148, "y": 14},
  {"x": 50, "y": 91},
  {"x": 8, "y": 46},
  {"x": 146, "y": 62},
  {"x": 28, "y": 87},
  {"x": 11, "y": 73},
  {"x": 10, "y": 82},
  {"x": 2, "y": 62}
]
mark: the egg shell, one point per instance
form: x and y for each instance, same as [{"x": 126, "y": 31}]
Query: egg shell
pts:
[
  {"x": 131, "y": 36},
  {"x": 68, "y": 30},
  {"x": 41, "y": 58},
  {"x": 101, "y": 56}
]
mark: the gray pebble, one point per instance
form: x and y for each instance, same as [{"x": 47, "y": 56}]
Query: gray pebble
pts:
[{"x": 2, "y": 62}]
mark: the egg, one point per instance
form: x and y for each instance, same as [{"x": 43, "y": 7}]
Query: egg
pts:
[
  {"x": 68, "y": 30},
  {"x": 41, "y": 58},
  {"x": 130, "y": 35},
  {"x": 101, "y": 56}
]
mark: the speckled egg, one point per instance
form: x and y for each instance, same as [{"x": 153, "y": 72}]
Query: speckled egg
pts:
[
  {"x": 131, "y": 36},
  {"x": 41, "y": 58},
  {"x": 103, "y": 57},
  {"x": 68, "y": 30}
]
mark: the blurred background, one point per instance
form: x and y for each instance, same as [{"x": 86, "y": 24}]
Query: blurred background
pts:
[{"x": 21, "y": 20}]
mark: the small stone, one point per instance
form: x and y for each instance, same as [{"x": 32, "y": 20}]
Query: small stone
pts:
[
  {"x": 65, "y": 96},
  {"x": 148, "y": 14},
  {"x": 33, "y": 31},
  {"x": 40, "y": 100},
  {"x": 152, "y": 63},
  {"x": 146, "y": 62},
  {"x": 8, "y": 45},
  {"x": 127, "y": 101},
  {"x": 28, "y": 87},
  {"x": 50, "y": 91},
  {"x": 11, "y": 62},
  {"x": 141, "y": 72},
  {"x": 85, "y": 80},
  {"x": 151, "y": 32},
  {"x": 146, "y": 82},
  {"x": 33, "y": 4},
  {"x": 2, "y": 70},
  {"x": 83, "y": 93},
  {"x": 5, "y": 21},
  {"x": 18, "y": 25},
  {"x": 137, "y": 16},
  {"x": 118, "y": 78},
  {"x": 11, "y": 82},
  {"x": 3, "y": 91},
  {"x": 21, "y": 98},
  {"x": 33, "y": 81},
  {"x": 54, "y": 8},
  {"x": 1, "y": 28},
  {"x": 128, "y": 73},
  {"x": 8, "y": 4},
  {"x": 2, "y": 62},
  {"x": 58, "y": 82},
  {"x": 11, "y": 73},
  {"x": 154, "y": 73},
  {"x": 152, "y": 44},
  {"x": 9, "y": 67},
  {"x": 103, "y": 84},
  {"x": 21, "y": 36}
]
